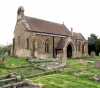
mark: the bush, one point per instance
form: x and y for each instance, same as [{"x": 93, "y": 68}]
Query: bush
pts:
[{"x": 6, "y": 48}]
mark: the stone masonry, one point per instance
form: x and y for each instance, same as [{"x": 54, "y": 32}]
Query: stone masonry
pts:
[{"x": 44, "y": 39}]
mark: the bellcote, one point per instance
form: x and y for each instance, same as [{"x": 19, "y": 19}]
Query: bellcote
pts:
[{"x": 20, "y": 12}]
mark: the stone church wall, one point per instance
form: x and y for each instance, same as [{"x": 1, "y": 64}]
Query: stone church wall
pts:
[
  {"x": 21, "y": 34},
  {"x": 40, "y": 46}
]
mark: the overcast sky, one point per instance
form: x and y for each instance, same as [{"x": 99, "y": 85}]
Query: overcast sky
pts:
[{"x": 82, "y": 15}]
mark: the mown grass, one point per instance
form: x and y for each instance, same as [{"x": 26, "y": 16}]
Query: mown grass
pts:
[
  {"x": 67, "y": 80},
  {"x": 26, "y": 71},
  {"x": 11, "y": 62},
  {"x": 15, "y": 61},
  {"x": 91, "y": 58}
]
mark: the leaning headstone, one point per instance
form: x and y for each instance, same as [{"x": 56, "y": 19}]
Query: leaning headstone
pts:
[
  {"x": 2, "y": 60},
  {"x": 92, "y": 54},
  {"x": 97, "y": 63},
  {"x": 4, "y": 56}
]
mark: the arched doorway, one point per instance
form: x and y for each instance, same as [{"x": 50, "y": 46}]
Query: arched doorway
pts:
[
  {"x": 69, "y": 51},
  {"x": 83, "y": 49}
]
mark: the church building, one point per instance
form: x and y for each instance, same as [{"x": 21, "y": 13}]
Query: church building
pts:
[{"x": 44, "y": 39}]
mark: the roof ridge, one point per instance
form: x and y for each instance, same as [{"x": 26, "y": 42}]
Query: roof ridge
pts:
[
  {"x": 45, "y": 20},
  {"x": 44, "y": 26},
  {"x": 82, "y": 36}
]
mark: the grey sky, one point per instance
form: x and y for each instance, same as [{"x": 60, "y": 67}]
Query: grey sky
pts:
[{"x": 82, "y": 15}]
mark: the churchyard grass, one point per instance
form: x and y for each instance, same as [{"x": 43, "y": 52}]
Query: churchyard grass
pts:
[
  {"x": 91, "y": 58},
  {"x": 26, "y": 71},
  {"x": 66, "y": 79},
  {"x": 63, "y": 80},
  {"x": 15, "y": 61},
  {"x": 11, "y": 62}
]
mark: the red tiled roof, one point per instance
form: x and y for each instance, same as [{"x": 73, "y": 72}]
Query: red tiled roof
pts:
[{"x": 38, "y": 25}]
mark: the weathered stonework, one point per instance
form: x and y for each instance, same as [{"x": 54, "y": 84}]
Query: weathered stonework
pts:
[
  {"x": 23, "y": 53},
  {"x": 47, "y": 44}
]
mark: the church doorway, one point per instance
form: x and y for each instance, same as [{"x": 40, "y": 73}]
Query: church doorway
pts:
[
  {"x": 83, "y": 49},
  {"x": 69, "y": 51}
]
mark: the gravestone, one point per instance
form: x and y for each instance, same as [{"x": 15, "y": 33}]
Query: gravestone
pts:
[
  {"x": 3, "y": 58},
  {"x": 92, "y": 54},
  {"x": 99, "y": 53},
  {"x": 97, "y": 63}
]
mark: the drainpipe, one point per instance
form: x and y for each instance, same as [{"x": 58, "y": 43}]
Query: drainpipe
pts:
[{"x": 53, "y": 45}]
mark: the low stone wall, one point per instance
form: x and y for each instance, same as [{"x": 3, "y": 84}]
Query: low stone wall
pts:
[{"x": 23, "y": 53}]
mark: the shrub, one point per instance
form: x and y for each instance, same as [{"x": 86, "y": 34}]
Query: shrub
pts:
[{"x": 6, "y": 48}]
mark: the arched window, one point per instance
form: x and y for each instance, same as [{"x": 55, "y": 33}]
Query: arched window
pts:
[
  {"x": 27, "y": 43},
  {"x": 76, "y": 44},
  {"x": 79, "y": 46},
  {"x": 83, "y": 48},
  {"x": 46, "y": 44}
]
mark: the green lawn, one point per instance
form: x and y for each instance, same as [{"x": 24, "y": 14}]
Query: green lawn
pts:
[
  {"x": 67, "y": 80},
  {"x": 14, "y": 62},
  {"x": 26, "y": 71},
  {"x": 91, "y": 58},
  {"x": 11, "y": 62}
]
